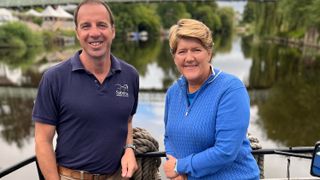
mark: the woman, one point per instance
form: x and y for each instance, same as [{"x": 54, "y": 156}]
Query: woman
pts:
[{"x": 206, "y": 113}]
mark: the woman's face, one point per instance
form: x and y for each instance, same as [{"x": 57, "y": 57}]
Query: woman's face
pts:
[{"x": 192, "y": 60}]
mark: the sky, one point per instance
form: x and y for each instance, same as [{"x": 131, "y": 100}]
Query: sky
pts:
[{"x": 237, "y": 5}]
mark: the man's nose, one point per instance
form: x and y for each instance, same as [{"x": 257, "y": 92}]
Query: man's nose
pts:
[{"x": 94, "y": 32}]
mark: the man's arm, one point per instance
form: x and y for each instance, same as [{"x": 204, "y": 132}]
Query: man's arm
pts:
[
  {"x": 128, "y": 162},
  {"x": 44, "y": 134}
]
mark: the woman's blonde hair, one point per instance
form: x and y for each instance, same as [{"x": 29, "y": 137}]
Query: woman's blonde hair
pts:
[{"x": 190, "y": 28}]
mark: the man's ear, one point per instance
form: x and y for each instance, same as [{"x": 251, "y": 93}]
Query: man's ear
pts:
[
  {"x": 114, "y": 32},
  {"x": 76, "y": 32}
]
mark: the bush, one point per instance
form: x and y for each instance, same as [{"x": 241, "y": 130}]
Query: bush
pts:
[{"x": 15, "y": 34}]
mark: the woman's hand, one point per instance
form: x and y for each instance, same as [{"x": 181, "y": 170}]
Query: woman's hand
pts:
[{"x": 169, "y": 167}]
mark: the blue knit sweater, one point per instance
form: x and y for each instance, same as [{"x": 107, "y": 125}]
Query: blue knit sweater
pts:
[{"x": 208, "y": 137}]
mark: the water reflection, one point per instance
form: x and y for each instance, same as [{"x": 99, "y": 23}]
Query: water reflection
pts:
[
  {"x": 286, "y": 106},
  {"x": 283, "y": 86},
  {"x": 17, "y": 67},
  {"x": 24, "y": 68},
  {"x": 290, "y": 115},
  {"x": 15, "y": 113},
  {"x": 19, "y": 57},
  {"x": 137, "y": 53}
]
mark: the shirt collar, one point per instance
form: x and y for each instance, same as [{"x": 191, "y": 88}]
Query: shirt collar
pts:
[{"x": 214, "y": 74}]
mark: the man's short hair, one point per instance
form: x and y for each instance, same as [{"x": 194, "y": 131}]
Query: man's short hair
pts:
[{"x": 75, "y": 18}]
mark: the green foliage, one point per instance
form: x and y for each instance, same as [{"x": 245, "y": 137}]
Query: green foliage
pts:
[
  {"x": 291, "y": 107},
  {"x": 48, "y": 39},
  {"x": 19, "y": 57},
  {"x": 166, "y": 63},
  {"x": 314, "y": 19},
  {"x": 226, "y": 14},
  {"x": 138, "y": 54},
  {"x": 222, "y": 43},
  {"x": 145, "y": 18},
  {"x": 205, "y": 15},
  {"x": 129, "y": 17},
  {"x": 123, "y": 18},
  {"x": 285, "y": 18},
  {"x": 37, "y": 20},
  {"x": 217, "y": 19},
  {"x": 39, "y": 8},
  {"x": 295, "y": 12},
  {"x": 16, "y": 34},
  {"x": 248, "y": 13},
  {"x": 174, "y": 10},
  {"x": 298, "y": 34},
  {"x": 69, "y": 33}
]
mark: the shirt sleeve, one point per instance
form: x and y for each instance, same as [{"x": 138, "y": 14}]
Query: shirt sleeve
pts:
[
  {"x": 232, "y": 122},
  {"x": 136, "y": 95},
  {"x": 45, "y": 108}
]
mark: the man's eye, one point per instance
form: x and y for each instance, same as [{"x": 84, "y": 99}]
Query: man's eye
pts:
[
  {"x": 85, "y": 26},
  {"x": 103, "y": 25}
]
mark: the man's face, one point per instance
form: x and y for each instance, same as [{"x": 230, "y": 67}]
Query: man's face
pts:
[{"x": 94, "y": 31}]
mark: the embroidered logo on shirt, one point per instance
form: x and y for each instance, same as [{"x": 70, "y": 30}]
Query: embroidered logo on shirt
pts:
[{"x": 122, "y": 90}]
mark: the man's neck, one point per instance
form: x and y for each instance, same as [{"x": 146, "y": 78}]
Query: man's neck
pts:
[{"x": 98, "y": 67}]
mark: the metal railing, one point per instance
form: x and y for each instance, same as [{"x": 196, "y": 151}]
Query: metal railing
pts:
[{"x": 299, "y": 152}]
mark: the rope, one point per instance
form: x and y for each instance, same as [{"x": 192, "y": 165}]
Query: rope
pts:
[
  {"x": 148, "y": 167},
  {"x": 254, "y": 143}
]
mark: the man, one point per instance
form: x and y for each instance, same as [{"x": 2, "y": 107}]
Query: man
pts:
[{"x": 89, "y": 100}]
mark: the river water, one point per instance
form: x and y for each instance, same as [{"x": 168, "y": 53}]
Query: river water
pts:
[{"x": 282, "y": 82}]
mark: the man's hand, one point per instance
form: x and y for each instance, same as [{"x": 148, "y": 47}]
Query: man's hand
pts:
[
  {"x": 128, "y": 163},
  {"x": 169, "y": 167}
]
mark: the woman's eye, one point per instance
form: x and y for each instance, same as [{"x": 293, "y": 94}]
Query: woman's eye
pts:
[{"x": 181, "y": 52}]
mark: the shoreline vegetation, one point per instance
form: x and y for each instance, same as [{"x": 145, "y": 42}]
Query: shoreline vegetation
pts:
[
  {"x": 266, "y": 22},
  {"x": 18, "y": 35},
  {"x": 150, "y": 18},
  {"x": 286, "y": 22}
]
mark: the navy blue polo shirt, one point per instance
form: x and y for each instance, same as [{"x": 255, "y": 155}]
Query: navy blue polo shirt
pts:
[{"x": 91, "y": 119}]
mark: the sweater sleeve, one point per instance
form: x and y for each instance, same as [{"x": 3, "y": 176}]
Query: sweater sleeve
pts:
[
  {"x": 232, "y": 122},
  {"x": 168, "y": 148}
]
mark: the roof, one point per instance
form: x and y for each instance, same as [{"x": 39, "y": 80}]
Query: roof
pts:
[
  {"x": 49, "y": 12},
  {"x": 58, "y": 13},
  {"x": 63, "y": 13},
  {"x": 6, "y": 15},
  {"x": 33, "y": 12}
]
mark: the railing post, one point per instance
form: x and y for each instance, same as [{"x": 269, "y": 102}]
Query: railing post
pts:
[
  {"x": 255, "y": 145},
  {"x": 39, "y": 171}
]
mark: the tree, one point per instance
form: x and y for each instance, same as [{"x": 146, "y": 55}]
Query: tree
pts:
[{"x": 171, "y": 12}]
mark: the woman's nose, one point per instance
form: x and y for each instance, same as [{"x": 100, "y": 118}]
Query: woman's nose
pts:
[{"x": 189, "y": 56}]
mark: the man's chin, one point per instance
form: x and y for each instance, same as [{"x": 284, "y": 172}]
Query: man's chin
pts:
[{"x": 97, "y": 55}]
